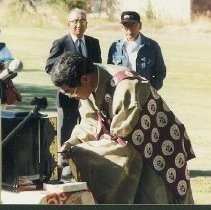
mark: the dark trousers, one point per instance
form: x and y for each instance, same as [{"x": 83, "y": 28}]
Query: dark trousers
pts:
[{"x": 67, "y": 119}]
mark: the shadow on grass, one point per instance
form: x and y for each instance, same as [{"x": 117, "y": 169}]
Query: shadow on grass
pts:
[
  {"x": 29, "y": 92},
  {"x": 195, "y": 173},
  {"x": 31, "y": 71}
]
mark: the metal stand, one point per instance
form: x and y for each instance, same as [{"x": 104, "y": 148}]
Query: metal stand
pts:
[
  {"x": 39, "y": 103},
  {"x": 11, "y": 140}
]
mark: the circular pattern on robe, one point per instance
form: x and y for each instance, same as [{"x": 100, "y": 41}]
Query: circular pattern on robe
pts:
[
  {"x": 148, "y": 150},
  {"x": 152, "y": 106},
  {"x": 180, "y": 160},
  {"x": 159, "y": 163},
  {"x": 107, "y": 97},
  {"x": 129, "y": 73},
  {"x": 138, "y": 137},
  {"x": 161, "y": 119},
  {"x": 145, "y": 122},
  {"x": 155, "y": 135},
  {"x": 182, "y": 187},
  {"x": 165, "y": 107},
  {"x": 167, "y": 147},
  {"x": 114, "y": 81},
  {"x": 187, "y": 173},
  {"x": 154, "y": 93},
  {"x": 171, "y": 175},
  {"x": 175, "y": 132}
]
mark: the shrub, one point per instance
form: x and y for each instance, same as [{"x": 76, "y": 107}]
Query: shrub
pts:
[{"x": 70, "y": 3}]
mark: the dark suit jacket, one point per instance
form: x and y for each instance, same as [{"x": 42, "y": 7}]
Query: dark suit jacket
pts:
[{"x": 66, "y": 44}]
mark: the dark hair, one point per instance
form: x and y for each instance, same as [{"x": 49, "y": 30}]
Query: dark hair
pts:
[{"x": 69, "y": 68}]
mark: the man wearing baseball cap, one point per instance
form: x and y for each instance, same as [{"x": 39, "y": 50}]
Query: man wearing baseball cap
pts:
[{"x": 137, "y": 51}]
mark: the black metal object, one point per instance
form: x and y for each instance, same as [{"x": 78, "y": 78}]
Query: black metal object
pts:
[
  {"x": 38, "y": 104},
  {"x": 20, "y": 155},
  {"x": 23, "y": 148}
]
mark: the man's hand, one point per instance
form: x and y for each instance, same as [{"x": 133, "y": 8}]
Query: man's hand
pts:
[{"x": 66, "y": 150}]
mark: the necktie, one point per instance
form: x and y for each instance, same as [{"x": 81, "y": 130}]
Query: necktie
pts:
[{"x": 79, "y": 46}]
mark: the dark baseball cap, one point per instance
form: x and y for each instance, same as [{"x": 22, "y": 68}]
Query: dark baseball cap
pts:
[{"x": 130, "y": 17}]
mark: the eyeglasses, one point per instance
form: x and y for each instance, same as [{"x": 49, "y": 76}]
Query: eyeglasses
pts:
[
  {"x": 70, "y": 95},
  {"x": 81, "y": 21}
]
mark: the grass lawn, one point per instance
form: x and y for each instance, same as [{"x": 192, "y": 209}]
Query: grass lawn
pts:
[{"x": 187, "y": 87}]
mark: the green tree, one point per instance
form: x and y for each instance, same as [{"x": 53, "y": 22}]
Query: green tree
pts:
[
  {"x": 70, "y": 3},
  {"x": 75, "y": 3},
  {"x": 111, "y": 9},
  {"x": 150, "y": 13}
]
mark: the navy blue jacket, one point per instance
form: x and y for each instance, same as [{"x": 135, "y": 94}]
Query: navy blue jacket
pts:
[{"x": 149, "y": 61}]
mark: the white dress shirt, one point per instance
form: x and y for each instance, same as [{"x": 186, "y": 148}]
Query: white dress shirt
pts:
[
  {"x": 132, "y": 48},
  {"x": 83, "y": 44}
]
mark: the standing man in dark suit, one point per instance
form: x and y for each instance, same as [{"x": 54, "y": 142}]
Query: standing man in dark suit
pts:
[{"x": 75, "y": 41}]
